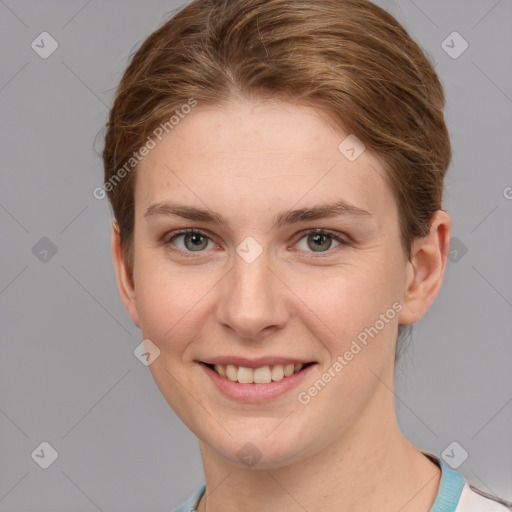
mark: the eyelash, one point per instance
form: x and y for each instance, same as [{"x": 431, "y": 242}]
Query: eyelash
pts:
[{"x": 167, "y": 241}]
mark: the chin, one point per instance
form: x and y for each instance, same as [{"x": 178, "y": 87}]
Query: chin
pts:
[{"x": 259, "y": 450}]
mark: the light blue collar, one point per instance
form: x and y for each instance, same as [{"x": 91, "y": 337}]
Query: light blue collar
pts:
[
  {"x": 191, "y": 504},
  {"x": 450, "y": 487}
]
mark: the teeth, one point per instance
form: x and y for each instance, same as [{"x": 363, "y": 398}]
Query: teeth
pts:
[
  {"x": 289, "y": 369},
  {"x": 277, "y": 372},
  {"x": 262, "y": 375},
  {"x": 231, "y": 372},
  {"x": 245, "y": 375}
]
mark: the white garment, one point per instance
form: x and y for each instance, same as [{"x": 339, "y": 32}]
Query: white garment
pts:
[{"x": 472, "y": 501}]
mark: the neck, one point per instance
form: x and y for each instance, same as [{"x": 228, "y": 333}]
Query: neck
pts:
[{"x": 370, "y": 467}]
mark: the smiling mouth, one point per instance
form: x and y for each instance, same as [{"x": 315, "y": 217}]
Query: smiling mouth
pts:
[{"x": 262, "y": 375}]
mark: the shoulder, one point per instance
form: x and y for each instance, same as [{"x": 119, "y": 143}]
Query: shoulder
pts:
[{"x": 475, "y": 500}]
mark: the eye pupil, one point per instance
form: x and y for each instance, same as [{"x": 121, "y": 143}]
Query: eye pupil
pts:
[
  {"x": 195, "y": 237},
  {"x": 318, "y": 237}
]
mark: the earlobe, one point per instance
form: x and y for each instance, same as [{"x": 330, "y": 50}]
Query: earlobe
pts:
[
  {"x": 425, "y": 269},
  {"x": 124, "y": 280}
]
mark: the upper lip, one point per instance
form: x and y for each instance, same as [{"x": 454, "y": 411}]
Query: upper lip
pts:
[{"x": 256, "y": 362}]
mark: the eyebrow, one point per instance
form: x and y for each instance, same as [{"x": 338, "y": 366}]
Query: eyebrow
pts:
[{"x": 321, "y": 211}]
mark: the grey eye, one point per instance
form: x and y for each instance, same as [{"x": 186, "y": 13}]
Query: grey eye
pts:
[
  {"x": 192, "y": 241},
  {"x": 318, "y": 241}
]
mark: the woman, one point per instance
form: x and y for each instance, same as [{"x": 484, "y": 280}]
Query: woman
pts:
[{"x": 276, "y": 174}]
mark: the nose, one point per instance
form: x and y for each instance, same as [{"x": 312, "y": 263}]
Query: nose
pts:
[{"x": 252, "y": 301}]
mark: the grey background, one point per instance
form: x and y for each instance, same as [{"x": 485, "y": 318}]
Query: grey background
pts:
[{"x": 68, "y": 374}]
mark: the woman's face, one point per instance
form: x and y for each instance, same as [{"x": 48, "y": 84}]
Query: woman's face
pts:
[{"x": 259, "y": 286}]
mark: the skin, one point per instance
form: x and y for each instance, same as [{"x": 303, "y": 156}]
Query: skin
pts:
[{"x": 343, "y": 451}]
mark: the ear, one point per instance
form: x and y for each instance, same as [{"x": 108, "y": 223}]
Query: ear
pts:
[
  {"x": 425, "y": 269},
  {"x": 124, "y": 280}
]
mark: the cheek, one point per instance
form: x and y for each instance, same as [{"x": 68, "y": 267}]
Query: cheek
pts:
[
  {"x": 335, "y": 303},
  {"x": 347, "y": 306},
  {"x": 170, "y": 300},
  {"x": 346, "y": 296}
]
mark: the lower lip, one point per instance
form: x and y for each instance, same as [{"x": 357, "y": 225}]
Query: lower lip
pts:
[{"x": 256, "y": 392}]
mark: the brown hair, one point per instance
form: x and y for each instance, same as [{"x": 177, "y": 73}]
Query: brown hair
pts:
[{"x": 349, "y": 58}]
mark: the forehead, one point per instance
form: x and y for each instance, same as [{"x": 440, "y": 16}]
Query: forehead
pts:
[{"x": 250, "y": 159}]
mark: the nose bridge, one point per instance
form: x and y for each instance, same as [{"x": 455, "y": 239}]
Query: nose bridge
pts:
[{"x": 251, "y": 302}]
